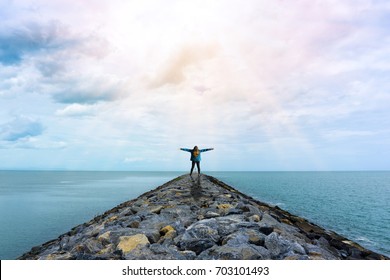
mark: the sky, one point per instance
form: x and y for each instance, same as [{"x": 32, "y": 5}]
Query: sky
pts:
[{"x": 122, "y": 85}]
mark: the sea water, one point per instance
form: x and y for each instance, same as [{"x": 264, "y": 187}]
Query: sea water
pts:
[
  {"x": 356, "y": 205},
  {"x": 37, "y": 206}
]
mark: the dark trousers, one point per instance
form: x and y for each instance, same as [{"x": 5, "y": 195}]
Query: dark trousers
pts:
[{"x": 197, "y": 165}]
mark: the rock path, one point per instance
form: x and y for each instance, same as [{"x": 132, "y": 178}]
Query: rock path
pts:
[{"x": 200, "y": 218}]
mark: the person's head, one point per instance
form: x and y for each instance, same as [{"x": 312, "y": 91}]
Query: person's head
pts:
[{"x": 196, "y": 148}]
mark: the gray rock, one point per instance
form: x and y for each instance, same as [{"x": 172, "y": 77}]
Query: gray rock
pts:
[
  {"x": 182, "y": 213},
  {"x": 322, "y": 242},
  {"x": 236, "y": 239},
  {"x": 210, "y": 225},
  {"x": 255, "y": 237},
  {"x": 253, "y": 210},
  {"x": 135, "y": 209},
  {"x": 57, "y": 256},
  {"x": 140, "y": 202},
  {"x": 298, "y": 248},
  {"x": 196, "y": 245},
  {"x": 155, "y": 222},
  {"x": 249, "y": 225},
  {"x": 211, "y": 214},
  {"x": 92, "y": 246},
  {"x": 267, "y": 230},
  {"x": 130, "y": 221},
  {"x": 317, "y": 253},
  {"x": 228, "y": 224},
  {"x": 200, "y": 236},
  {"x": 276, "y": 245},
  {"x": 188, "y": 255},
  {"x": 228, "y": 252},
  {"x": 232, "y": 211},
  {"x": 152, "y": 234},
  {"x": 126, "y": 212},
  {"x": 254, "y": 218},
  {"x": 146, "y": 254},
  {"x": 269, "y": 220},
  {"x": 167, "y": 252},
  {"x": 292, "y": 256}
]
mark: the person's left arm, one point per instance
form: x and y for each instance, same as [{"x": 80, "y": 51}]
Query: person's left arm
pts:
[{"x": 205, "y": 150}]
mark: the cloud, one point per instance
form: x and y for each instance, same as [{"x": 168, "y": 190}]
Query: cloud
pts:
[
  {"x": 173, "y": 72},
  {"x": 50, "y": 66},
  {"x": 273, "y": 76},
  {"x": 133, "y": 159},
  {"x": 56, "y": 59},
  {"x": 32, "y": 38},
  {"x": 20, "y": 128},
  {"x": 77, "y": 110},
  {"x": 33, "y": 143},
  {"x": 341, "y": 134},
  {"x": 87, "y": 90}
]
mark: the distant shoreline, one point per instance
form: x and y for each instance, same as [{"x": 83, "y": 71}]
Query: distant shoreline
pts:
[{"x": 181, "y": 171}]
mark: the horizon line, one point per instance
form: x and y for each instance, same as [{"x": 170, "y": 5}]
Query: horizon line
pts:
[{"x": 185, "y": 171}]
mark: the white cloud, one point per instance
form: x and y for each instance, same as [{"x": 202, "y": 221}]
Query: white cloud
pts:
[
  {"x": 35, "y": 143},
  {"x": 341, "y": 134},
  {"x": 159, "y": 75},
  {"x": 174, "y": 72},
  {"x": 133, "y": 159},
  {"x": 77, "y": 110},
  {"x": 20, "y": 128}
]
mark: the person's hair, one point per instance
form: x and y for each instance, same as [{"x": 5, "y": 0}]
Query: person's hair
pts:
[{"x": 196, "y": 148}]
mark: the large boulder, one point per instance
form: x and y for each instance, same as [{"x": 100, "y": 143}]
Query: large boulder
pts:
[
  {"x": 129, "y": 243},
  {"x": 200, "y": 236}
]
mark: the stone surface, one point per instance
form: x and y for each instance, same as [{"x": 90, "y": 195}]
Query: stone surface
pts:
[
  {"x": 129, "y": 243},
  {"x": 198, "y": 219},
  {"x": 166, "y": 229}
]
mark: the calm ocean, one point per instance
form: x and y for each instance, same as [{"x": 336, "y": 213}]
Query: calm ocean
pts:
[{"x": 37, "y": 206}]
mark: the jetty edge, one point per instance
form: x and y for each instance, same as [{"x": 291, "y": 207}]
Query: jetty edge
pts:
[{"x": 199, "y": 219}]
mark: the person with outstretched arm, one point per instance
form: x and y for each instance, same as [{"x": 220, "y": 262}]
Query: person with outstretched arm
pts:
[{"x": 195, "y": 156}]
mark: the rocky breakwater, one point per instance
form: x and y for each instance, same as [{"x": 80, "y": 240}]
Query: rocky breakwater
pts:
[{"x": 203, "y": 219}]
